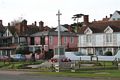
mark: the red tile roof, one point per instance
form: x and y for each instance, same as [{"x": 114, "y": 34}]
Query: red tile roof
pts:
[{"x": 99, "y": 26}]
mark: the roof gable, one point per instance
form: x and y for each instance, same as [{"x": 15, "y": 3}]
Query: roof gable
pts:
[
  {"x": 62, "y": 29},
  {"x": 108, "y": 30},
  {"x": 88, "y": 31},
  {"x": 7, "y": 32}
]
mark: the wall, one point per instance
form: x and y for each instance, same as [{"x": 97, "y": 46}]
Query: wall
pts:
[
  {"x": 99, "y": 40},
  {"x": 68, "y": 42},
  {"x": 118, "y": 39}
]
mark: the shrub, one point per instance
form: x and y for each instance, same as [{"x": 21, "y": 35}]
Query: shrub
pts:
[
  {"x": 22, "y": 50},
  {"x": 108, "y": 53}
]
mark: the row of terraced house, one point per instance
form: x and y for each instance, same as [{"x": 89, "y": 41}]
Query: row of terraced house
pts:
[
  {"x": 34, "y": 37},
  {"x": 95, "y": 37}
]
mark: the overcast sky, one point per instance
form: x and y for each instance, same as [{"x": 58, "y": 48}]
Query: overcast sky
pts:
[{"x": 46, "y": 10}]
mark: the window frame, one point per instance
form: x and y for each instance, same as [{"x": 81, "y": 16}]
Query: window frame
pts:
[
  {"x": 109, "y": 38},
  {"x": 71, "y": 39}
]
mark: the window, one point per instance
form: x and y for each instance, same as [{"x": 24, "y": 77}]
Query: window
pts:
[
  {"x": 88, "y": 38},
  {"x": 8, "y": 33},
  {"x": 31, "y": 49},
  {"x": 118, "y": 19},
  {"x": 108, "y": 37},
  {"x": 42, "y": 40},
  {"x": 32, "y": 41},
  {"x": 51, "y": 39},
  {"x": 72, "y": 39},
  {"x": 113, "y": 18},
  {"x": 4, "y": 52},
  {"x": 61, "y": 49},
  {"x": 38, "y": 48},
  {"x": 65, "y": 39},
  {"x": 16, "y": 39},
  {"x": 23, "y": 40}
]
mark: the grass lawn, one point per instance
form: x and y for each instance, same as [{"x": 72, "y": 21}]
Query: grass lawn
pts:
[
  {"x": 16, "y": 65},
  {"x": 79, "y": 73},
  {"x": 89, "y": 74}
]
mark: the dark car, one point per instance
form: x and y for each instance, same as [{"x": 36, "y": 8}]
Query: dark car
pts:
[{"x": 18, "y": 57}]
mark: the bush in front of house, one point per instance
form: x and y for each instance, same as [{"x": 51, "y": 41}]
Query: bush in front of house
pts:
[
  {"x": 108, "y": 53},
  {"x": 22, "y": 50}
]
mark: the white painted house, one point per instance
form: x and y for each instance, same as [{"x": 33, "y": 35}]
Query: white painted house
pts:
[
  {"x": 100, "y": 36},
  {"x": 115, "y": 16}
]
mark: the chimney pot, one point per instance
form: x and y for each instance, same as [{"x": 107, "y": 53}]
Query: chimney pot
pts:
[
  {"x": 1, "y": 23},
  {"x": 8, "y": 24},
  {"x": 23, "y": 26},
  {"x": 35, "y": 23},
  {"x": 106, "y": 17},
  {"x": 110, "y": 15},
  {"x": 41, "y": 25}
]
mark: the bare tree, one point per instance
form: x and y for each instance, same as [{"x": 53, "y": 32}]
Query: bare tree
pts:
[{"x": 16, "y": 21}]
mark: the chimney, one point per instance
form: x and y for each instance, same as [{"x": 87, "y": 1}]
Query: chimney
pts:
[
  {"x": 23, "y": 26},
  {"x": 1, "y": 23},
  {"x": 8, "y": 24},
  {"x": 35, "y": 23},
  {"x": 86, "y": 20},
  {"x": 41, "y": 25},
  {"x": 24, "y": 22},
  {"x": 18, "y": 28},
  {"x": 110, "y": 15}
]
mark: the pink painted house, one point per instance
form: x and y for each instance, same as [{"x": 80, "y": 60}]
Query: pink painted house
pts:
[{"x": 48, "y": 40}]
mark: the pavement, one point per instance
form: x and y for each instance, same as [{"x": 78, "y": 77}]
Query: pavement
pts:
[
  {"x": 13, "y": 72},
  {"x": 22, "y": 75},
  {"x": 19, "y": 75}
]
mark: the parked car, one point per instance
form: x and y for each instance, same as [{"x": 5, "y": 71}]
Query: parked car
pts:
[
  {"x": 18, "y": 57},
  {"x": 4, "y": 58}
]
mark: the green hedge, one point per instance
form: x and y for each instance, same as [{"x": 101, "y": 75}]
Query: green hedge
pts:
[{"x": 108, "y": 53}]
